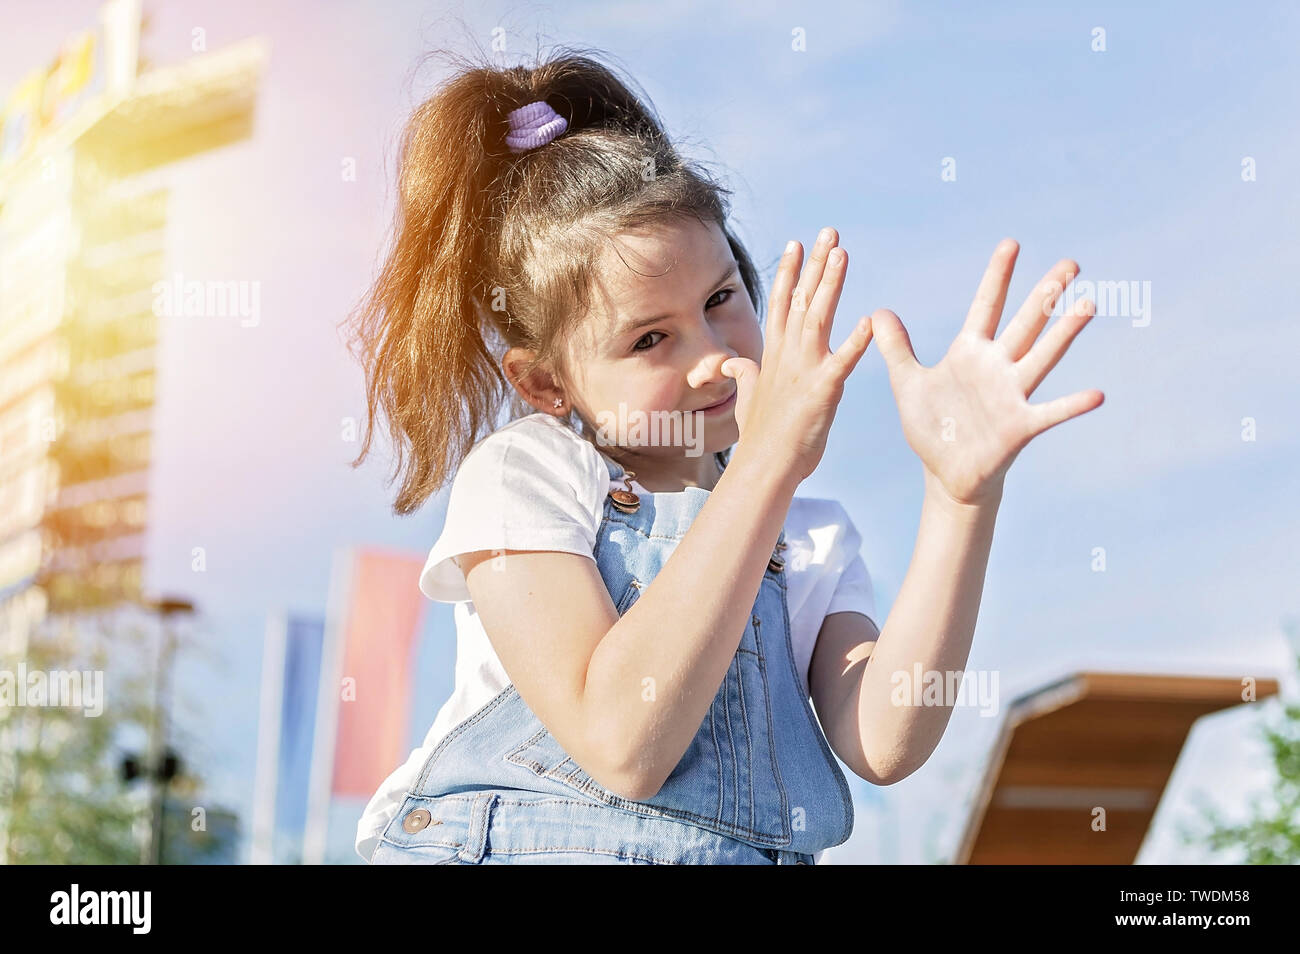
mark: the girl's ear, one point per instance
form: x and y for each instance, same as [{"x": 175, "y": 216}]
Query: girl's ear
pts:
[{"x": 539, "y": 387}]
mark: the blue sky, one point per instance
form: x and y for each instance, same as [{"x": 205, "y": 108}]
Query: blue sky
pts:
[{"x": 1128, "y": 161}]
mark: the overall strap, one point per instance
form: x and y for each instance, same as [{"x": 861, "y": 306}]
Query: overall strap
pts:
[
  {"x": 616, "y": 470},
  {"x": 624, "y": 499}
]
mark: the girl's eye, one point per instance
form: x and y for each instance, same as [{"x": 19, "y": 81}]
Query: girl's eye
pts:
[
  {"x": 644, "y": 337},
  {"x": 728, "y": 292}
]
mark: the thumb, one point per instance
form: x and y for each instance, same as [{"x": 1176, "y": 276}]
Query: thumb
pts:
[
  {"x": 893, "y": 341},
  {"x": 745, "y": 371}
]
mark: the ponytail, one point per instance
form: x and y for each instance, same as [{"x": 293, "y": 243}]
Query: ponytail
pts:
[{"x": 493, "y": 249}]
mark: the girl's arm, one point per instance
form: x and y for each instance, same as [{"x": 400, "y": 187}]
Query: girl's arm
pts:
[
  {"x": 626, "y": 696},
  {"x": 855, "y": 686},
  {"x": 967, "y": 418}
]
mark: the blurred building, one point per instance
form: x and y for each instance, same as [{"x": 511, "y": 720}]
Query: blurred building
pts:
[
  {"x": 81, "y": 250},
  {"x": 82, "y": 247}
]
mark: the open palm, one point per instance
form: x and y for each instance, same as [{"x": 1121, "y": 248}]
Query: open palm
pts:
[{"x": 969, "y": 416}]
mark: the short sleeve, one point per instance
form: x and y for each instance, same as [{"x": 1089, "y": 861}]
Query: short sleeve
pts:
[
  {"x": 854, "y": 592},
  {"x": 531, "y": 485}
]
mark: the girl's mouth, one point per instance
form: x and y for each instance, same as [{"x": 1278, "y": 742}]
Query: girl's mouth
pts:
[{"x": 720, "y": 408}]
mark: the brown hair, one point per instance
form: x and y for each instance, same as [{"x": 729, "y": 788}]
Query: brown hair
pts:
[{"x": 493, "y": 250}]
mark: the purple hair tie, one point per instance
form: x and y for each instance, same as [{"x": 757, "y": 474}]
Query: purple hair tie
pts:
[{"x": 534, "y": 125}]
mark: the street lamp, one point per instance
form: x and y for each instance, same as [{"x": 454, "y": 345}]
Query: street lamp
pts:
[{"x": 163, "y": 762}]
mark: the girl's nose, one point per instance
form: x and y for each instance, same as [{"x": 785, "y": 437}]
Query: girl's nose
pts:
[{"x": 708, "y": 370}]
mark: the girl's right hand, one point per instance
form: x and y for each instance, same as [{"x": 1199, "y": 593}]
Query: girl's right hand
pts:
[{"x": 785, "y": 407}]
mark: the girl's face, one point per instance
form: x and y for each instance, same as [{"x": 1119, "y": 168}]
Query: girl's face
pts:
[{"x": 669, "y": 307}]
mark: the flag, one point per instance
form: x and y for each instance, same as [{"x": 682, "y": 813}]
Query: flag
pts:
[
  {"x": 291, "y": 661},
  {"x": 363, "y": 715},
  {"x": 302, "y": 655}
]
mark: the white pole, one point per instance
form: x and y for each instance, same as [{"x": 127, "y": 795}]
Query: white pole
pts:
[
  {"x": 266, "y": 779},
  {"x": 339, "y": 602}
]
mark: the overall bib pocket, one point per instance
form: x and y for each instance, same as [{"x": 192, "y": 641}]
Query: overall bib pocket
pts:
[{"x": 727, "y": 781}]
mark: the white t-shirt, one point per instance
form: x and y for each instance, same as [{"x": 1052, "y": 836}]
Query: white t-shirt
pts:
[{"x": 536, "y": 484}]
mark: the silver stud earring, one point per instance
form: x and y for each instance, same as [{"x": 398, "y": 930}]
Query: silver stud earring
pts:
[{"x": 559, "y": 402}]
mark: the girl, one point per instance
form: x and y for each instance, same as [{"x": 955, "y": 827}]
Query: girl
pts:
[{"x": 647, "y": 617}]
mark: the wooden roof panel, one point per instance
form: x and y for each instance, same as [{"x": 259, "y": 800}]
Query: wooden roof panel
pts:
[{"x": 1091, "y": 740}]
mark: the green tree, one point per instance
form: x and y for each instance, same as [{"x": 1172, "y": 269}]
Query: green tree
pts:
[
  {"x": 1271, "y": 833},
  {"x": 64, "y": 798}
]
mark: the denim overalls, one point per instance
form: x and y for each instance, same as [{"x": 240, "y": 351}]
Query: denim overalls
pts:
[{"x": 758, "y": 785}]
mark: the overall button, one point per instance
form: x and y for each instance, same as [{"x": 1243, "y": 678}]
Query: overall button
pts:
[
  {"x": 775, "y": 564},
  {"x": 418, "y": 820},
  {"x": 625, "y": 500}
]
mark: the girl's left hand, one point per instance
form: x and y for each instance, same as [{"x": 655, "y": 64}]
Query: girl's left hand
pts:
[{"x": 968, "y": 416}]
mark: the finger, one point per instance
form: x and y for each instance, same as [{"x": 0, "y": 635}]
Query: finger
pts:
[
  {"x": 1049, "y": 414},
  {"x": 817, "y": 323},
  {"x": 778, "y": 302},
  {"x": 827, "y": 239},
  {"x": 1049, "y": 349},
  {"x": 801, "y": 299},
  {"x": 893, "y": 343},
  {"x": 986, "y": 309},
  {"x": 846, "y": 357},
  {"x": 744, "y": 370},
  {"x": 1025, "y": 327}
]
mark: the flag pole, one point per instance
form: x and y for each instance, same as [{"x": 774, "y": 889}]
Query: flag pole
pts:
[{"x": 266, "y": 780}]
